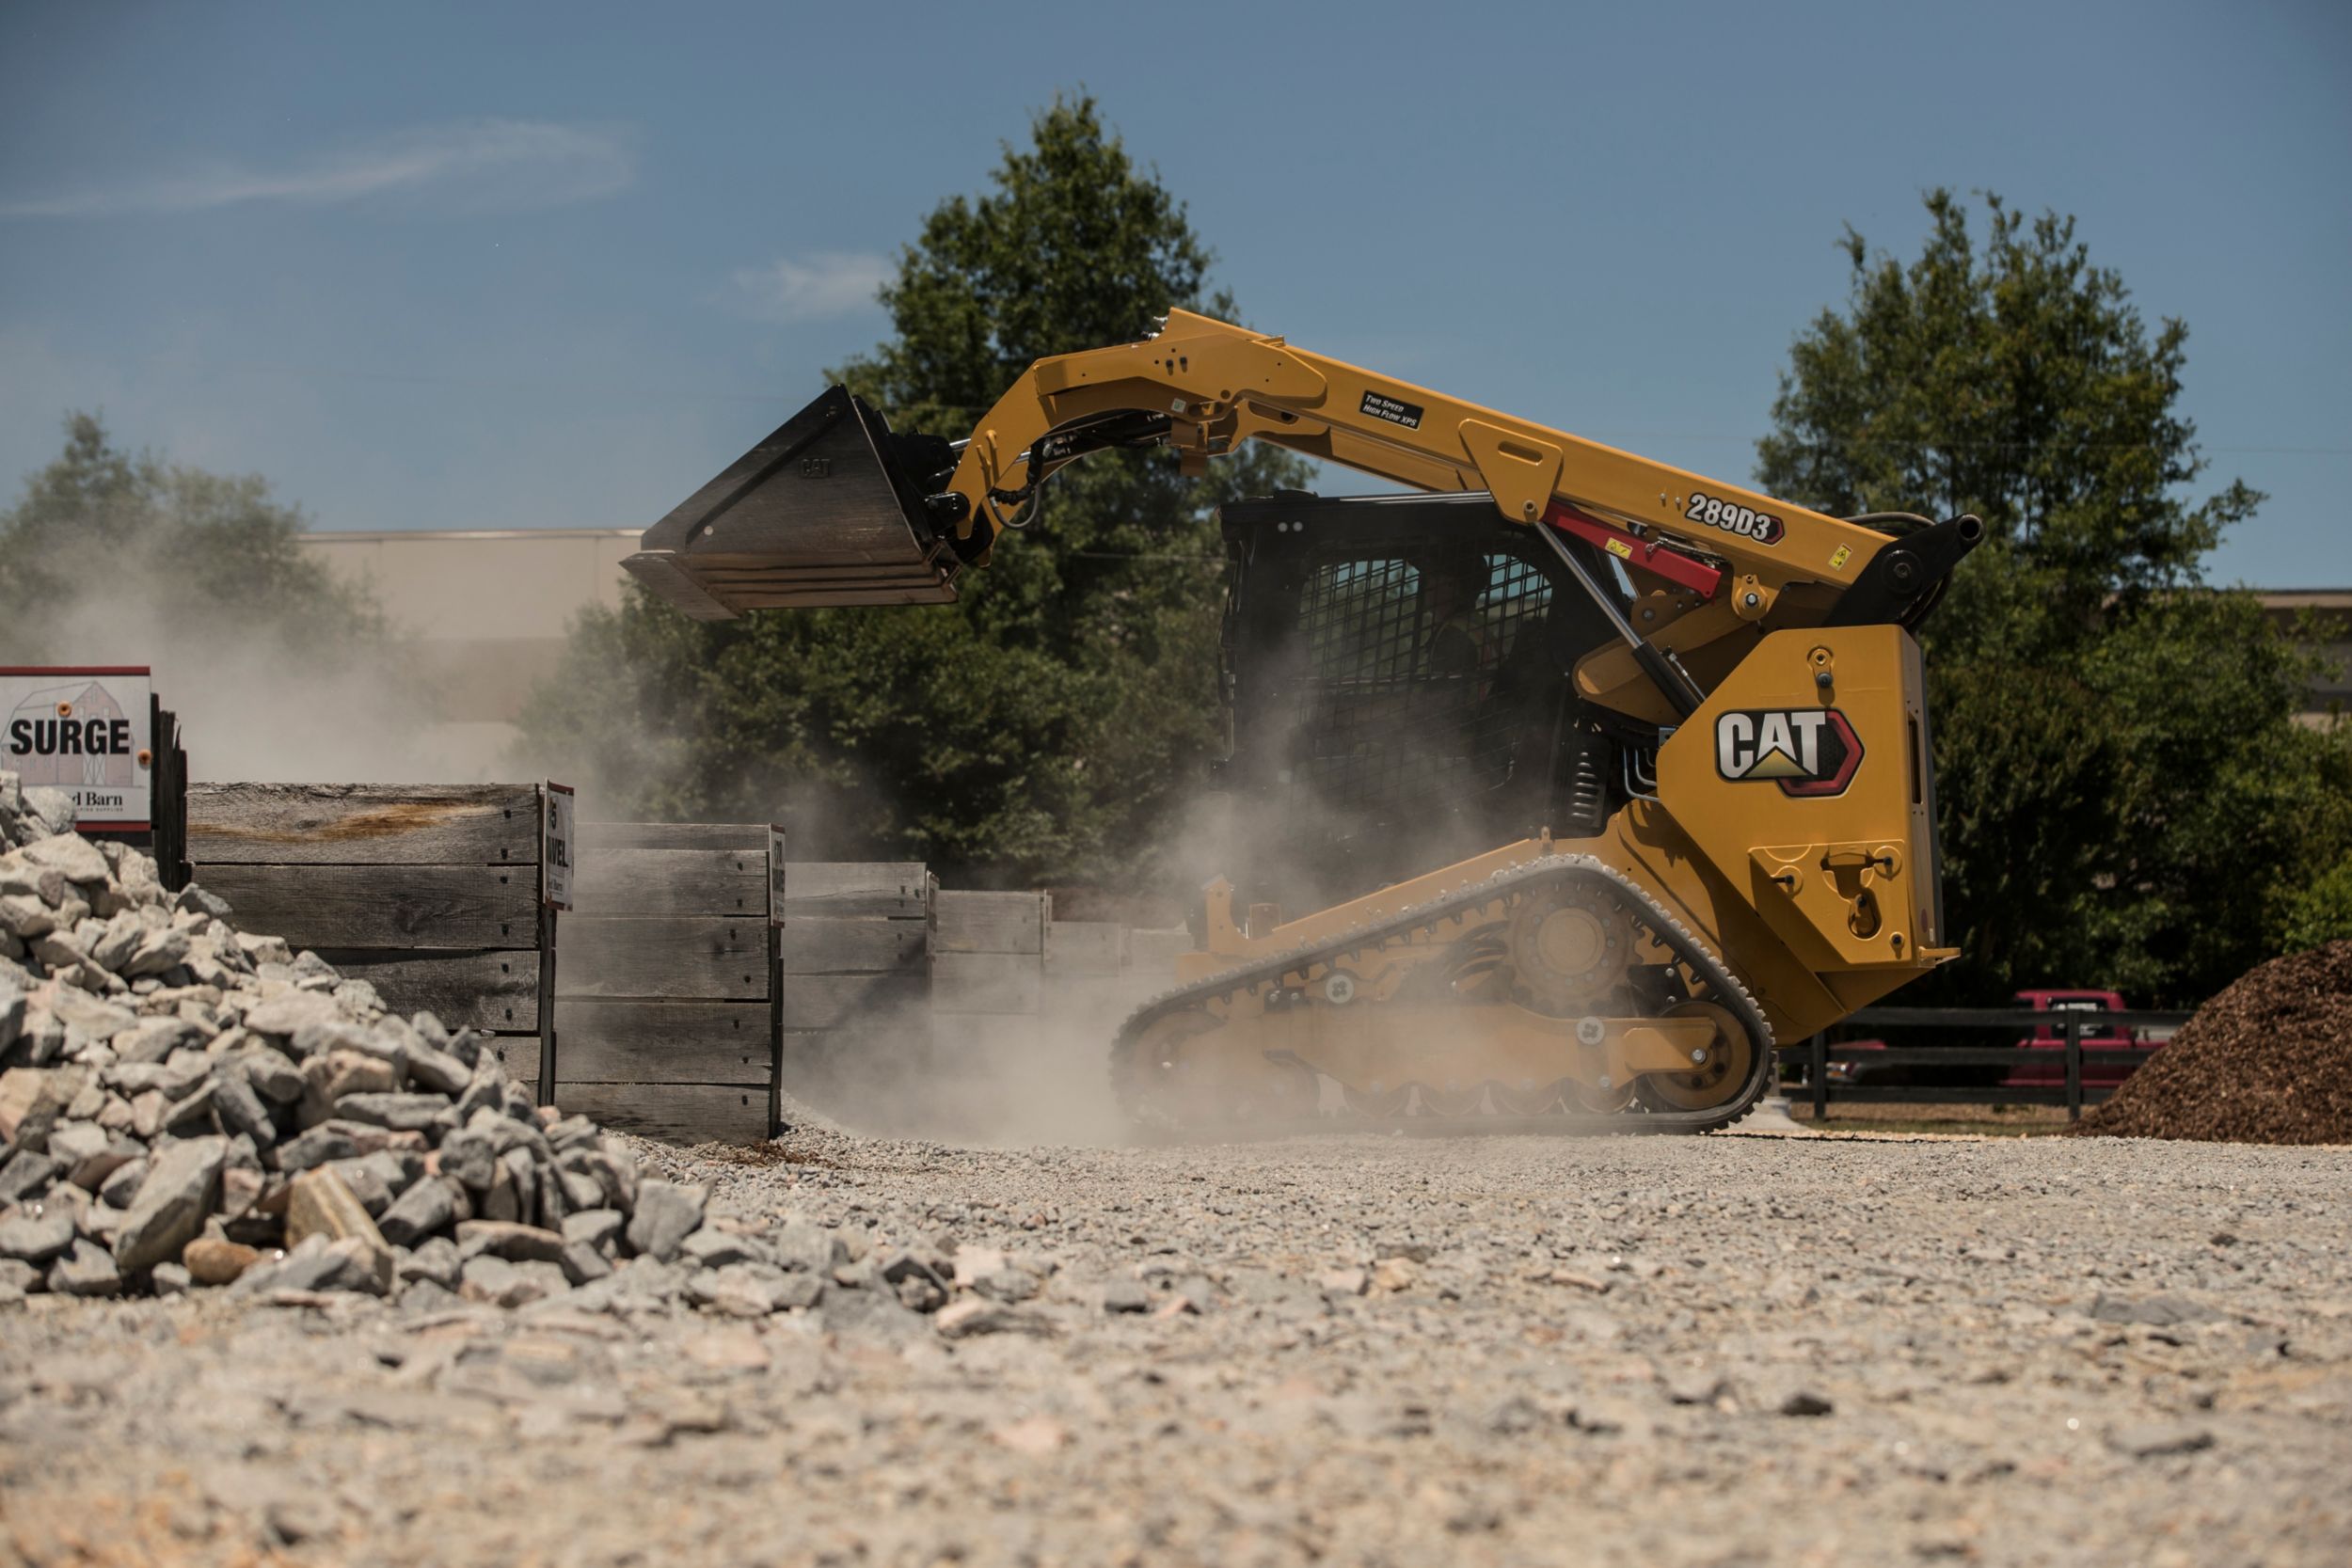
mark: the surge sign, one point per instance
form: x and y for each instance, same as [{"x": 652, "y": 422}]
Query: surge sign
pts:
[{"x": 88, "y": 732}]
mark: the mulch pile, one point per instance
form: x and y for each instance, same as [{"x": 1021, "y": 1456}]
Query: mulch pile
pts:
[{"x": 2268, "y": 1061}]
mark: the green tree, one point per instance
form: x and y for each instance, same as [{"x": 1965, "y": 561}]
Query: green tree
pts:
[
  {"x": 204, "y": 555},
  {"x": 2123, "y": 795},
  {"x": 1045, "y": 725}
]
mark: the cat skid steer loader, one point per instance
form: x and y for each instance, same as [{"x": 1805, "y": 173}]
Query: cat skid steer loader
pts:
[{"x": 1561, "y": 789}]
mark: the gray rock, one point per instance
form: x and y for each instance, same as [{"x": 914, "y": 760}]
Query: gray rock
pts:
[
  {"x": 470, "y": 1158},
  {"x": 11, "y": 1012},
  {"x": 971, "y": 1318},
  {"x": 499, "y": 1283},
  {"x": 71, "y": 1143},
  {"x": 800, "y": 1243},
  {"x": 582, "y": 1191},
  {"x": 191, "y": 1114},
  {"x": 113, "y": 947},
  {"x": 599, "y": 1228},
  {"x": 434, "y": 1259},
  {"x": 2156, "y": 1439},
  {"x": 86, "y": 1269},
  {"x": 666, "y": 1215},
  {"x": 873, "y": 1313},
  {"x": 193, "y": 896},
  {"x": 1125, "y": 1296},
  {"x": 397, "y": 1169},
  {"x": 426, "y": 1209},
  {"x": 1805, "y": 1402},
  {"x": 159, "y": 954},
  {"x": 514, "y": 1191},
  {"x": 272, "y": 1073},
  {"x": 24, "y": 1173},
  {"x": 121, "y": 1187},
  {"x": 583, "y": 1264},
  {"x": 365, "y": 1184},
  {"x": 320, "y": 1145},
  {"x": 240, "y": 1107},
  {"x": 402, "y": 1113},
  {"x": 169, "y": 1279},
  {"x": 36, "y": 1238},
  {"x": 172, "y": 1201},
  {"x": 287, "y": 1013},
  {"x": 711, "y": 1248},
  {"x": 2158, "y": 1311},
  {"x": 517, "y": 1243},
  {"x": 437, "y": 1070},
  {"x": 573, "y": 1132},
  {"x": 34, "y": 1100},
  {"x": 70, "y": 855},
  {"x": 322, "y": 1264}
]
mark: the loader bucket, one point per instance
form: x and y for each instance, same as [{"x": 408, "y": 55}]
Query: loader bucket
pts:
[{"x": 826, "y": 511}]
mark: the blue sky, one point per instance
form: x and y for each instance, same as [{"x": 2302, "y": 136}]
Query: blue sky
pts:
[{"x": 511, "y": 265}]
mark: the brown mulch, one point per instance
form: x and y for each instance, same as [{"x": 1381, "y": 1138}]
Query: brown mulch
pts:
[{"x": 2268, "y": 1061}]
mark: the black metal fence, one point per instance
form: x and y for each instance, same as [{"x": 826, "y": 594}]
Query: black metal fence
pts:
[{"x": 2072, "y": 1056}]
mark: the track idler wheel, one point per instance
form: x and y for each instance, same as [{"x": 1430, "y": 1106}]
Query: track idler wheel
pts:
[{"x": 1711, "y": 1082}]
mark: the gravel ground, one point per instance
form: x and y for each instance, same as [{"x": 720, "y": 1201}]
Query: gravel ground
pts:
[{"x": 1731, "y": 1349}]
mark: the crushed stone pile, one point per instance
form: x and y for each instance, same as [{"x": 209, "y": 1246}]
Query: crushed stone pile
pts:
[
  {"x": 184, "y": 1105},
  {"x": 2268, "y": 1061}
]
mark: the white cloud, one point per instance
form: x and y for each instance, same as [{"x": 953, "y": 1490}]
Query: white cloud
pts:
[
  {"x": 471, "y": 164},
  {"x": 826, "y": 283}
]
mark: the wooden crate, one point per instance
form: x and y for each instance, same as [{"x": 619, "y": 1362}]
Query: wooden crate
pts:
[
  {"x": 664, "y": 998},
  {"x": 430, "y": 893}
]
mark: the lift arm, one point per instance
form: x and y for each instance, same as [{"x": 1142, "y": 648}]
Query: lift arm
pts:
[
  {"x": 834, "y": 508},
  {"x": 1217, "y": 385}
]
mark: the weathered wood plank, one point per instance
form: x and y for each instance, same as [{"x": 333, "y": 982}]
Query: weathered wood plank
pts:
[
  {"x": 854, "y": 946},
  {"x": 673, "y": 1113},
  {"x": 383, "y": 906},
  {"x": 266, "y": 824},
  {"x": 606, "y": 1040},
  {"x": 857, "y": 888},
  {"x": 985, "y": 983},
  {"x": 497, "y": 989},
  {"x": 1154, "y": 951},
  {"x": 519, "y": 1055},
  {"x": 750, "y": 837},
  {"x": 673, "y": 956},
  {"x": 993, "y": 921},
  {"x": 883, "y": 1002},
  {"x": 644, "y": 882},
  {"x": 1085, "y": 947}
]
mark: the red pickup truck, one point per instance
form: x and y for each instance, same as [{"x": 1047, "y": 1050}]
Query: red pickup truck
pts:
[{"x": 2050, "y": 1037}]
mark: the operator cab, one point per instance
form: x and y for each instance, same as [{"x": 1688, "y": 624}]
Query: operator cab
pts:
[{"x": 1396, "y": 675}]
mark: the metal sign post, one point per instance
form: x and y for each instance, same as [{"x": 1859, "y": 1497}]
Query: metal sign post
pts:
[
  {"x": 775, "y": 978},
  {"x": 558, "y": 843}
]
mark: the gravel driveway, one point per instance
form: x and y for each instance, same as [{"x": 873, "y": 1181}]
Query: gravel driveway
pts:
[{"x": 1730, "y": 1350}]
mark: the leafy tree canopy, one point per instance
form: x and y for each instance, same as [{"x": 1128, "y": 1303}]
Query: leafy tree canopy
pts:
[
  {"x": 1047, "y": 725},
  {"x": 2124, "y": 794},
  {"x": 101, "y": 528}
]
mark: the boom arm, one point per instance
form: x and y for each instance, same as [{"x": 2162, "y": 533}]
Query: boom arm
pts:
[
  {"x": 833, "y": 509},
  {"x": 1216, "y": 386}
]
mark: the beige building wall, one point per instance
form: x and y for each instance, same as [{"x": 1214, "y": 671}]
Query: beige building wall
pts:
[{"x": 485, "y": 613}]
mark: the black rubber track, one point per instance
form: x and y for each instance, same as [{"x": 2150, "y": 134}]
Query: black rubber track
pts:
[{"x": 1129, "y": 1072}]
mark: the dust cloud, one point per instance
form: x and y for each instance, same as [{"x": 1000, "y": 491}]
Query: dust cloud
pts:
[
  {"x": 264, "y": 703},
  {"x": 973, "y": 1080}
]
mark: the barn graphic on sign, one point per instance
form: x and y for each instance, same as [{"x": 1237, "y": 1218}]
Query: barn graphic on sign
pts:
[{"x": 74, "y": 736}]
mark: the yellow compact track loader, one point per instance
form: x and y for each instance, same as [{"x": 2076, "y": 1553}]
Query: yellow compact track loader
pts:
[{"x": 1594, "y": 776}]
